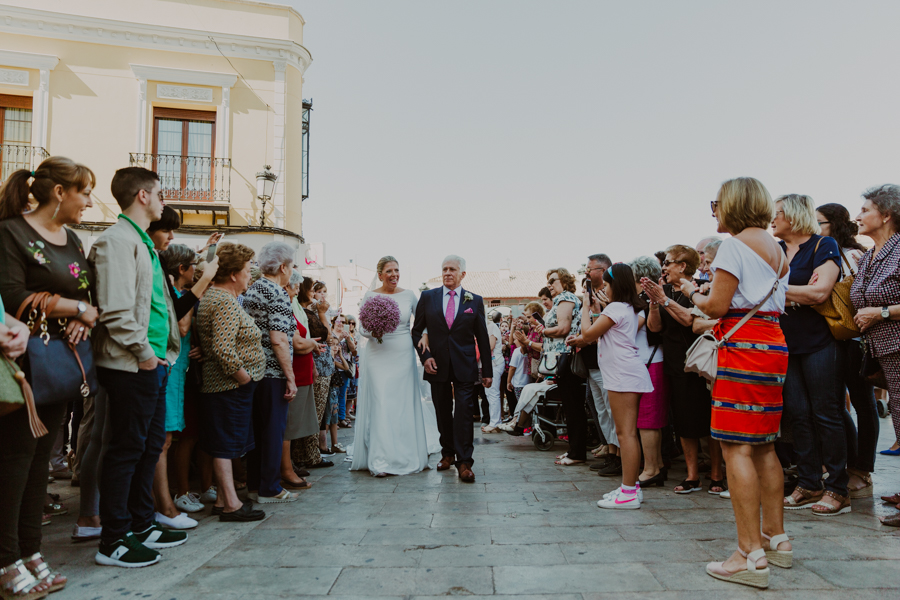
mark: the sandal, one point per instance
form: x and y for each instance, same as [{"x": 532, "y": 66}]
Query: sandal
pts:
[
  {"x": 687, "y": 486},
  {"x": 568, "y": 462},
  {"x": 562, "y": 456},
  {"x": 44, "y": 574},
  {"x": 808, "y": 499},
  {"x": 867, "y": 491},
  {"x": 752, "y": 576},
  {"x": 717, "y": 483},
  {"x": 895, "y": 499},
  {"x": 289, "y": 485},
  {"x": 779, "y": 558},
  {"x": 600, "y": 451},
  {"x": 823, "y": 509},
  {"x": 20, "y": 587}
]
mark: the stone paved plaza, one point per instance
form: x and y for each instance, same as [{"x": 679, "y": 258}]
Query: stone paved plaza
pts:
[{"x": 526, "y": 529}]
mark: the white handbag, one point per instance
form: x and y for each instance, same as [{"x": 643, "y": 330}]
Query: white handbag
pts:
[
  {"x": 549, "y": 363},
  {"x": 703, "y": 355}
]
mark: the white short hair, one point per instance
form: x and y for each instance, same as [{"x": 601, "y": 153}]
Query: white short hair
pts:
[
  {"x": 459, "y": 260},
  {"x": 273, "y": 255}
]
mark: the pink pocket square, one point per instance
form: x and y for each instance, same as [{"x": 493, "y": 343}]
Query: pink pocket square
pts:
[{"x": 468, "y": 311}]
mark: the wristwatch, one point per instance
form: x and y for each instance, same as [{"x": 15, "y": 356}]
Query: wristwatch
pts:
[
  {"x": 691, "y": 297},
  {"x": 885, "y": 313},
  {"x": 666, "y": 303},
  {"x": 82, "y": 308}
]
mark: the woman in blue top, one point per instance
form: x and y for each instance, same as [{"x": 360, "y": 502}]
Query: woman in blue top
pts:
[{"x": 813, "y": 387}]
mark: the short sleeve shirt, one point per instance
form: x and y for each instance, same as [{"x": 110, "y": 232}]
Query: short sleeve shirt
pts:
[
  {"x": 494, "y": 330},
  {"x": 270, "y": 307},
  {"x": 517, "y": 362},
  {"x": 676, "y": 338},
  {"x": 805, "y": 330}
]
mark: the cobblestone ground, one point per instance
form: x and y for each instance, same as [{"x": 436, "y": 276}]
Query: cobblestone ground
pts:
[{"x": 526, "y": 529}]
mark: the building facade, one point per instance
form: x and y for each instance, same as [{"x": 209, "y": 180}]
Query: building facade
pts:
[
  {"x": 207, "y": 93},
  {"x": 504, "y": 290}
]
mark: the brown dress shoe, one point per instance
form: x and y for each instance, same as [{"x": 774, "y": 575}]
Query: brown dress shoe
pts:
[
  {"x": 446, "y": 463},
  {"x": 465, "y": 473}
]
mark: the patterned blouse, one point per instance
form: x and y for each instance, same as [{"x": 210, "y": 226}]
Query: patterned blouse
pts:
[
  {"x": 878, "y": 284},
  {"x": 270, "y": 307},
  {"x": 229, "y": 339},
  {"x": 552, "y": 320},
  {"x": 324, "y": 362}
]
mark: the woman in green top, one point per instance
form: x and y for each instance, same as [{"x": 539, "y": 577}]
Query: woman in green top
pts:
[{"x": 39, "y": 254}]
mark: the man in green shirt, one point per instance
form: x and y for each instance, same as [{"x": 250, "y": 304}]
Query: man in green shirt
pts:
[{"x": 135, "y": 341}]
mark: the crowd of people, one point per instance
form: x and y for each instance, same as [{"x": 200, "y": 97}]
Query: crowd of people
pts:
[{"x": 232, "y": 361}]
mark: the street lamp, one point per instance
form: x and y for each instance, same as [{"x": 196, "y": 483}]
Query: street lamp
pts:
[{"x": 265, "y": 184}]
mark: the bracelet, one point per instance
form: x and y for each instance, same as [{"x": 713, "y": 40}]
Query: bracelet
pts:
[{"x": 691, "y": 295}]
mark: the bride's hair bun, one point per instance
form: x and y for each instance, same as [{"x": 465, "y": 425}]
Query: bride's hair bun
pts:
[{"x": 384, "y": 260}]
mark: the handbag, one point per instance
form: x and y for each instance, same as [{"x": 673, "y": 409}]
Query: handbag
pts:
[
  {"x": 15, "y": 393},
  {"x": 577, "y": 366},
  {"x": 65, "y": 370},
  {"x": 549, "y": 363},
  {"x": 571, "y": 362},
  {"x": 871, "y": 370},
  {"x": 652, "y": 354},
  {"x": 838, "y": 310},
  {"x": 703, "y": 355}
]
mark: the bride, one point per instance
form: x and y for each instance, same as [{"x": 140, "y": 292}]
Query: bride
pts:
[{"x": 390, "y": 434}]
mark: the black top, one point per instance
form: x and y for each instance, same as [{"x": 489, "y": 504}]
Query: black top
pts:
[
  {"x": 31, "y": 264},
  {"x": 676, "y": 338},
  {"x": 805, "y": 330}
]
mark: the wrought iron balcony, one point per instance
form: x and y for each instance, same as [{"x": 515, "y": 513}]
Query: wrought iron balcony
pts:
[
  {"x": 189, "y": 178},
  {"x": 20, "y": 156}
]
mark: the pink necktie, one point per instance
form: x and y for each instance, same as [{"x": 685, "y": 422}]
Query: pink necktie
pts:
[{"x": 451, "y": 309}]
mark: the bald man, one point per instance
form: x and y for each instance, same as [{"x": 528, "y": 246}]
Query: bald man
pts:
[{"x": 702, "y": 274}]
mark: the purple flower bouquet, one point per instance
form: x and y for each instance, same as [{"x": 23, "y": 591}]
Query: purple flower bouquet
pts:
[{"x": 380, "y": 315}]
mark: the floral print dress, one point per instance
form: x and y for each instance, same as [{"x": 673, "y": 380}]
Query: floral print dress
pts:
[{"x": 551, "y": 319}]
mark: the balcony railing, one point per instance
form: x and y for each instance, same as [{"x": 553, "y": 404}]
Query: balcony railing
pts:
[
  {"x": 189, "y": 178},
  {"x": 19, "y": 156}
]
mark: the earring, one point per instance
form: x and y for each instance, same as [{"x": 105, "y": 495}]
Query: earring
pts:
[{"x": 56, "y": 212}]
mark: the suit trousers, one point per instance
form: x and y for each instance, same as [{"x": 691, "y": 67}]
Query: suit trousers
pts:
[
  {"x": 455, "y": 426},
  {"x": 269, "y": 420}
]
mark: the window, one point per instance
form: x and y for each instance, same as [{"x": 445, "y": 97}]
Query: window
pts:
[
  {"x": 183, "y": 146},
  {"x": 15, "y": 133}
]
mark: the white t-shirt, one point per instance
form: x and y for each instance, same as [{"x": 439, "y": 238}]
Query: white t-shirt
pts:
[
  {"x": 517, "y": 362},
  {"x": 645, "y": 350},
  {"x": 755, "y": 276},
  {"x": 494, "y": 330},
  {"x": 852, "y": 255}
]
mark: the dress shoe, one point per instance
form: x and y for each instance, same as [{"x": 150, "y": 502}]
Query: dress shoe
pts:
[
  {"x": 446, "y": 463},
  {"x": 465, "y": 473}
]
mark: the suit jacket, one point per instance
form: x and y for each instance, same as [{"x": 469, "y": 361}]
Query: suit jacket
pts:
[{"x": 453, "y": 346}]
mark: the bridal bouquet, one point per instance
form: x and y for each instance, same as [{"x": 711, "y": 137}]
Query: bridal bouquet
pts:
[{"x": 380, "y": 315}]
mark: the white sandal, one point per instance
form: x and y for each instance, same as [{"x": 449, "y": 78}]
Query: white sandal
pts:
[
  {"x": 779, "y": 558},
  {"x": 20, "y": 587},
  {"x": 753, "y": 576}
]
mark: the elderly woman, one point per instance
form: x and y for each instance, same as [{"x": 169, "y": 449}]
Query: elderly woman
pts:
[
  {"x": 876, "y": 294},
  {"x": 835, "y": 222},
  {"x": 749, "y": 271},
  {"x": 559, "y": 324},
  {"x": 545, "y": 298},
  {"x": 320, "y": 326},
  {"x": 653, "y": 411},
  {"x": 234, "y": 365},
  {"x": 670, "y": 313},
  {"x": 495, "y": 402},
  {"x": 269, "y": 305},
  {"x": 813, "y": 390}
]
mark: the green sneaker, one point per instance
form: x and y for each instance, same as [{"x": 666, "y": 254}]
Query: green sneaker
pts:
[
  {"x": 157, "y": 537},
  {"x": 126, "y": 552}
]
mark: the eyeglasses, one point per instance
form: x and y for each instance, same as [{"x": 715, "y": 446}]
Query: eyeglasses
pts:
[
  {"x": 823, "y": 223},
  {"x": 552, "y": 280},
  {"x": 713, "y": 205},
  {"x": 666, "y": 263}
]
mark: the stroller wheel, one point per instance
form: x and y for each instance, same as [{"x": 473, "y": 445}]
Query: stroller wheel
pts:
[{"x": 542, "y": 440}]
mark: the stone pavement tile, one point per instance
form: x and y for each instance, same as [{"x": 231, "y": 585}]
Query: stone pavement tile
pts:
[
  {"x": 431, "y": 581},
  {"x": 548, "y": 475},
  {"x": 517, "y": 597},
  {"x": 569, "y": 496},
  {"x": 492, "y": 556},
  {"x": 736, "y": 592},
  {"x": 298, "y": 537},
  {"x": 693, "y": 576},
  {"x": 291, "y": 520},
  {"x": 475, "y": 507},
  {"x": 559, "y": 486},
  {"x": 599, "y": 516},
  {"x": 831, "y": 527},
  {"x": 842, "y": 594},
  {"x": 709, "y": 515},
  {"x": 553, "y": 535},
  {"x": 375, "y": 497},
  {"x": 708, "y": 531},
  {"x": 322, "y": 555},
  {"x": 537, "y": 579},
  {"x": 858, "y": 574},
  {"x": 555, "y": 506},
  {"x": 260, "y": 582},
  {"x": 495, "y": 497},
  {"x": 512, "y": 519},
  {"x": 242, "y": 554},
  {"x": 808, "y": 548},
  {"x": 874, "y": 547},
  {"x": 427, "y": 537},
  {"x": 676, "y": 552},
  {"x": 392, "y": 519}
]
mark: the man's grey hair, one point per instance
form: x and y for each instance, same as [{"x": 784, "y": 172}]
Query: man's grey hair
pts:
[
  {"x": 646, "y": 266},
  {"x": 459, "y": 260},
  {"x": 296, "y": 277},
  {"x": 604, "y": 260},
  {"x": 886, "y": 199},
  {"x": 711, "y": 248},
  {"x": 273, "y": 255},
  {"x": 702, "y": 244}
]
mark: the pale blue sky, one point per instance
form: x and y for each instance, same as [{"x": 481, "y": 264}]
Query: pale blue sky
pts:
[{"x": 535, "y": 133}]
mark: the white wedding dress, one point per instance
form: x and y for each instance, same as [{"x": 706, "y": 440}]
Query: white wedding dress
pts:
[{"x": 390, "y": 433}]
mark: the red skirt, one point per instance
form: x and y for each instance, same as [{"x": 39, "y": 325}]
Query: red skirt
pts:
[{"x": 746, "y": 396}]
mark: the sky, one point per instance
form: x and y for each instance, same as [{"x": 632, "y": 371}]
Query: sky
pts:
[{"x": 528, "y": 134}]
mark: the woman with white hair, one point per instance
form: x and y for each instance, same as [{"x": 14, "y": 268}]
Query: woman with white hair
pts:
[{"x": 269, "y": 305}]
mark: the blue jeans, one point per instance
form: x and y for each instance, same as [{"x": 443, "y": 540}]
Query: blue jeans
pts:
[
  {"x": 269, "y": 420},
  {"x": 862, "y": 437},
  {"x": 136, "y": 417},
  {"x": 813, "y": 408},
  {"x": 342, "y": 398}
]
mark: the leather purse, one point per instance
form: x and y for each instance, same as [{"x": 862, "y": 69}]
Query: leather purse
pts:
[
  {"x": 571, "y": 362},
  {"x": 871, "y": 370},
  {"x": 838, "y": 310},
  {"x": 549, "y": 363},
  {"x": 64, "y": 371},
  {"x": 703, "y": 355},
  {"x": 15, "y": 393}
]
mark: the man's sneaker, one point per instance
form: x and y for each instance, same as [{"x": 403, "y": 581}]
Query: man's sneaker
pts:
[
  {"x": 157, "y": 537},
  {"x": 612, "y": 494},
  {"x": 182, "y": 521},
  {"x": 209, "y": 496},
  {"x": 621, "y": 500},
  {"x": 126, "y": 552},
  {"x": 612, "y": 468},
  {"x": 189, "y": 503}
]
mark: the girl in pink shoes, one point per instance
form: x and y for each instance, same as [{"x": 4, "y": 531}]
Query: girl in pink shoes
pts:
[{"x": 625, "y": 376}]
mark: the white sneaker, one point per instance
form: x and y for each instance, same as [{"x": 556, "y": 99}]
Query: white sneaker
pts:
[
  {"x": 620, "y": 501},
  {"x": 189, "y": 503},
  {"x": 209, "y": 496},
  {"x": 726, "y": 494},
  {"x": 182, "y": 521},
  {"x": 84, "y": 534},
  {"x": 612, "y": 494}
]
